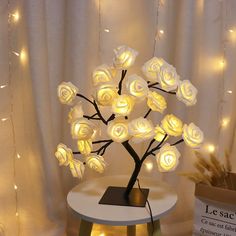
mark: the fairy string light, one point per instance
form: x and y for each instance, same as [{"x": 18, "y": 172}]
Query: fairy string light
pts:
[
  {"x": 156, "y": 36},
  {"x": 99, "y": 33},
  {"x": 158, "y": 31},
  {"x": 13, "y": 18},
  {"x": 223, "y": 64},
  {"x": 224, "y": 121}
]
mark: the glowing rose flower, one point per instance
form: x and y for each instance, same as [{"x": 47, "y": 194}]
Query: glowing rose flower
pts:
[
  {"x": 159, "y": 133},
  {"x": 124, "y": 57},
  {"x": 141, "y": 129},
  {"x": 82, "y": 129},
  {"x": 168, "y": 77},
  {"x": 105, "y": 94},
  {"x": 192, "y": 135},
  {"x": 77, "y": 168},
  {"x": 103, "y": 74},
  {"x": 75, "y": 113},
  {"x": 172, "y": 125},
  {"x": 118, "y": 130},
  {"x": 63, "y": 154},
  {"x": 167, "y": 158},
  {"x": 137, "y": 86},
  {"x": 187, "y": 93},
  {"x": 156, "y": 102},
  {"x": 152, "y": 67},
  {"x": 96, "y": 163},
  {"x": 123, "y": 105},
  {"x": 66, "y": 92},
  {"x": 85, "y": 146}
]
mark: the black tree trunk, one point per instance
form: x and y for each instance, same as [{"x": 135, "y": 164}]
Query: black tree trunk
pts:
[
  {"x": 133, "y": 179},
  {"x": 138, "y": 165}
]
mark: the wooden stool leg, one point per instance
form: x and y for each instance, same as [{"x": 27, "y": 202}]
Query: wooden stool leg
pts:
[
  {"x": 157, "y": 228},
  {"x": 85, "y": 228},
  {"x": 131, "y": 230}
]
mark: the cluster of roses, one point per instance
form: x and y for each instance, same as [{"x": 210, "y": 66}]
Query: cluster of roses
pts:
[{"x": 158, "y": 73}]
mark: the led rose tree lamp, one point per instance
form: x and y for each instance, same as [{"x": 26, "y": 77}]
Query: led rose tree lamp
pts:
[{"x": 159, "y": 76}]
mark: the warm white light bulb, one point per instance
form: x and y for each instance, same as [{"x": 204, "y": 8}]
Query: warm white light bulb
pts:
[
  {"x": 15, "y": 187},
  {"x": 229, "y": 91},
  {"x": 23, "y": 56},
  {"x": 149, "y": 166},
  {"x": 107, "y": 30},
  {"x": 222, "y": 63},
  {"x": 102, "y": 234},
  {"x": 161, "y": 31},
  {"x": 3, "y": 86},
  {"x": 16, "y": 16},
  {"x": 18, "y": 156},
  {"x": 211, "y": 148},
  {"x": 16, "y": 53},
  {"x": 4, "y": 119},
  {"x": 17, "y": 214},
  {"x": 225, "y": 122},
  {"x": 162, "y": 2},
  {"x": 231, "y": 31}
]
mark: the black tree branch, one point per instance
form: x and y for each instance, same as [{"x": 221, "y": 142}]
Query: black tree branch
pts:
[
  {"x": 102, "y": 141},
  {"x": 151, "y": 85},
  {"x": 112, "y": 117},
  {"x": 148, "y": 112},
  {"x": 171, "y": 92},
  {"x": 148, "y": 148},
  {"x": 99, "y": 113},
  {"x": 102, "y": 149},
  {"x": 82, "y": 96},
  {"x": 121, "y": 80},
  {"x": 91, "y": 117},
  {"x": 179, "y": 141},
  {"x": 154, "y": 149}
]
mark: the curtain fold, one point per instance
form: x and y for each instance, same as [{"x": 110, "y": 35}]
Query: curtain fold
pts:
[{"x": 65, "y": 41}]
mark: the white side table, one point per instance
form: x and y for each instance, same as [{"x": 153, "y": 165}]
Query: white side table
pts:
[{"x": 84, "y": 198}]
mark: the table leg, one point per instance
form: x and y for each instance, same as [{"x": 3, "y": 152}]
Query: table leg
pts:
[
  {"x": 157, "y": 228},
  {"x": 85, "y": 228},
  {"x": 131, "y": 230}
]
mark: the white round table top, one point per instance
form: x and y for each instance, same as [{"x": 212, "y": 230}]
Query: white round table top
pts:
[{"x": 84, "y": 198}]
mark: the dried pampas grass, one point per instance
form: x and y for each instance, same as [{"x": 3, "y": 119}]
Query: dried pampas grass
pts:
[{"x": 210, "y": 171}]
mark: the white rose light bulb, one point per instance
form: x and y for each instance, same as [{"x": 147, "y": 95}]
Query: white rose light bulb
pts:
[
  {"x": 137, "y": 86},
  {"x": 168, "y": 77},
  {"x": 124, "y": 57},
  {"x": 167, "y": 158},
  {"x": 75, "y": 113},
  {"x": 77, "y": 169},
  {"x": 156, "y": 102},
  {"x": 152, "y": 67},
  {"x": 63, "y": 154},
  {"x": 187, "y": 93},
  {"x": 123, "y": 105},
  {"x": 192, "y": 135},
  {"x": 105, "y": 94},
  {"x": 96, "y": 162},
  {"x": 85, "y": 146},
  {"x": 82, "y": 129},
  {"x": 118, "y": 130},
  {"x": 159, "y": 133},
  {"x": 141, "y": 129},
  {"x": 172, "y": 125},
  {"x": 103, "y": 74},
  {"x": 66, "y": 92}
]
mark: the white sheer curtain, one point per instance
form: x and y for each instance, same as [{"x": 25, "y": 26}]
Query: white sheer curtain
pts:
[{"x": 65, "y": 41}]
